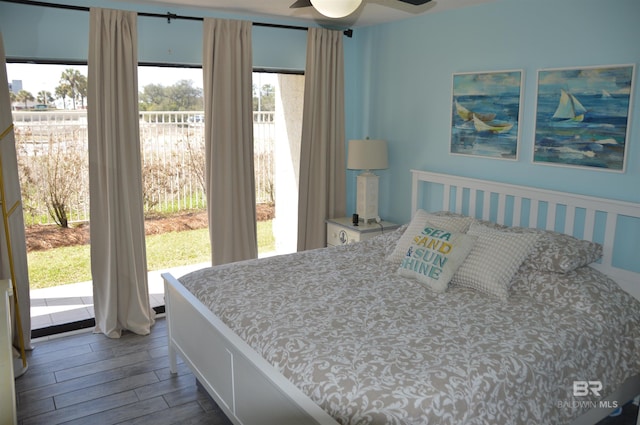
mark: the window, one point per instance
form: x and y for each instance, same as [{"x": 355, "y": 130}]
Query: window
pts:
[{"x": 49, "y": 107}]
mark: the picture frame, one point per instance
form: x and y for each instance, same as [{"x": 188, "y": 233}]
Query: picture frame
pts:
[
  {"x": 583, "y": 117},
  {"x": 486, "y": 108}
]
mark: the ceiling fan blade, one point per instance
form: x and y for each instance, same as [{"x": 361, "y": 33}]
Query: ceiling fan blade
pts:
[
  {"x": 301, "y": 3},
  {"x": 415, "y": 2}
]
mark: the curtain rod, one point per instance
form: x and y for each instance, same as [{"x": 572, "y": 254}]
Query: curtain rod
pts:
[{"x": 168, "y": 16}]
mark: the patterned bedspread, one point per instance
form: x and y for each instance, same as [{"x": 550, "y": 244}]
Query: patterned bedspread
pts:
[{"x": 372, "y": 347}]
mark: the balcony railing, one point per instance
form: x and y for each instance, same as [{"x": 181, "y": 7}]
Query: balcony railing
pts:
[{"x": 53, "y": 161}]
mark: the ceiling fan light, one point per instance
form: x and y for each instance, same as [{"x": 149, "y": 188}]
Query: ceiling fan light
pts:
[{"x": 336, "y": 8}]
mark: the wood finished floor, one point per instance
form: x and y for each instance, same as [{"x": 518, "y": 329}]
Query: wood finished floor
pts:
[{"x": 87, "y": 378}]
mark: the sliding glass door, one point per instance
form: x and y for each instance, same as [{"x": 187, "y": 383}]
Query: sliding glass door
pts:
[{"x": 48, "y": 103}]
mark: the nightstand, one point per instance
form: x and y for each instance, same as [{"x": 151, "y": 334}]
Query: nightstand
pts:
[{"x": 341, "y": 231}]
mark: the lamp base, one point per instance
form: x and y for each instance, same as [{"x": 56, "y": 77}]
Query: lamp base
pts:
[{"x": 367, "y": 197}]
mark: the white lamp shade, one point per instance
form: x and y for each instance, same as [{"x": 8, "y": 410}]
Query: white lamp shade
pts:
[
  {"x": 367, "y": 155},
  {"x": 336, "y": 8}
]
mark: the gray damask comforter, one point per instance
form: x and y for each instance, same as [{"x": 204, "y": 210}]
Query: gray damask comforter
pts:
[{"x": 372, "y": 347}]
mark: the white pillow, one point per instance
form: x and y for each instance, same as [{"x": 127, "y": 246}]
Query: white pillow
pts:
[
  {"x": 434, "y": 255},
  {"x": 494, "y": 259},
  {"x": 455, "y": 223}
]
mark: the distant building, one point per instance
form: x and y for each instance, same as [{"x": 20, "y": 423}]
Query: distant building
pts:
[{"x": 15, "y": 86}]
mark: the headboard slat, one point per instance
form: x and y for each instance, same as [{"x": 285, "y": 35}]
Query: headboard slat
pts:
[
  {"x": 517, "y": 211},
  {"x": 569, "y": 219},
  {"x": 609, "y": 239},
  {"x": 533, "y": 214},
  {"x": 589, "y": 224},
  {"x": 459, "y": 193},
  {"x": 473, "y": 200},
  {"x": 486, "y": 205},
  {"x": 551, "y": 217},
  {"x": 501, "y": 208},
  {"x": 446, "y": 200}
]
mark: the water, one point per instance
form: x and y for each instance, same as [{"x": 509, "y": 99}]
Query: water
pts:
[
  {"x": 465, "y": 139},
  {"x": 597, "y": 141}
]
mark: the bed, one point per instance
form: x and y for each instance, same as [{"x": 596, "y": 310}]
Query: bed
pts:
[{"x": 360, "y": 334}]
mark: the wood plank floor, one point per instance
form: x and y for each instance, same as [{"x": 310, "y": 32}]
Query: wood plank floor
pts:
[{"x": 87, "y": 378}]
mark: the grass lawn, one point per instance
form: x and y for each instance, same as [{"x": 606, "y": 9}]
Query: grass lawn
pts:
[{"x": 60, "y": 266}]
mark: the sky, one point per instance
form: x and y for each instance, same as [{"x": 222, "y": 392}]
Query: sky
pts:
[{"x": 36, "y": 78}]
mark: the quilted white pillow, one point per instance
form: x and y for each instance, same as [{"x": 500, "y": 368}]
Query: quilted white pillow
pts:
[
  {"x": 494, "y": 259},
  {"x": 434, "y": 255},
  {"x": 455, "y": 223}
]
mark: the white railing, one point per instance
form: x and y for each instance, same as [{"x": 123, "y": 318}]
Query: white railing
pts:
[{"x": 53, "y": 161}]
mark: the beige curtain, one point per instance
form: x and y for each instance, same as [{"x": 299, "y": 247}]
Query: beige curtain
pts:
[
  {"x": 230, "y": 181},
  {"x": 322, "y": 156},
  {"x": 118, "y": 253},
  {"x": 13, "y": 205}
]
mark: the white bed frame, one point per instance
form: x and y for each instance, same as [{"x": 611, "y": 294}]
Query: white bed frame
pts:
[{"x": 252, "y": 392}]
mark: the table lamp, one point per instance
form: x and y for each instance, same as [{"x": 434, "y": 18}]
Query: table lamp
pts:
[{"x": 367, "y": 155}]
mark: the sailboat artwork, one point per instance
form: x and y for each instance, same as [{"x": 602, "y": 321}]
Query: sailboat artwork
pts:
[
  {"x": 582, "y": 116},
  {"x": 482, "y": 121},
  {"x": 569, "y": 108},
  {"x": 491, "y": 126},
  {"x": 485, "y": 113},
  {"x": 468, "y": 115}
]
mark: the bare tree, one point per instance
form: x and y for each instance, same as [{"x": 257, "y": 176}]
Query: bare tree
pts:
[
  {"x": 63, "y": 173},
  {"x": 196, "y": 159},
  {"x": 157, "y": 181}
]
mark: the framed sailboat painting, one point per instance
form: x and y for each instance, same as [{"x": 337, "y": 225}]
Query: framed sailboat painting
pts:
[
  {"x": 485, "y": 114},
  {"x": 582, "y": 116}
]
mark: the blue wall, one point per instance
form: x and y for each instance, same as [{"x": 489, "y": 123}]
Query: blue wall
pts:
[{"x": 403, "y": 81}]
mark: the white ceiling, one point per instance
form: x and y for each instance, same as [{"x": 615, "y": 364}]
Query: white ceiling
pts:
[{"x": 370, "y": 13}]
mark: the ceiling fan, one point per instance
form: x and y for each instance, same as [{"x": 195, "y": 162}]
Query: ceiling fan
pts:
[{"x": 341, "y": 8}]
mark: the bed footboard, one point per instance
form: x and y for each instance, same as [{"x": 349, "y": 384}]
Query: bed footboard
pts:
[{"x": 245, "y": 386}]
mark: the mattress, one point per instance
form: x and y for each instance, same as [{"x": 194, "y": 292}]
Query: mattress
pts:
[{"x": 372, "y": 347}]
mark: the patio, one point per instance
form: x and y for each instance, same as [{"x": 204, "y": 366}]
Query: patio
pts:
[{"x": 64, "y": 304}]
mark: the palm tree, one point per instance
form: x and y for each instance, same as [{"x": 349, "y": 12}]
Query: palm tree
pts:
[
  {"x": 24, "y": 96},
  {"x": 81, "y": 89},
  {"x": 72, "y": 77},
  {"x": 44, "y": 97},
  {"x": 62, "y": 91}
]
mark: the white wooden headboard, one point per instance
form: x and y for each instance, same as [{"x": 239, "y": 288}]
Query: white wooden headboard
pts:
[{"x": 585, "y": 217}]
